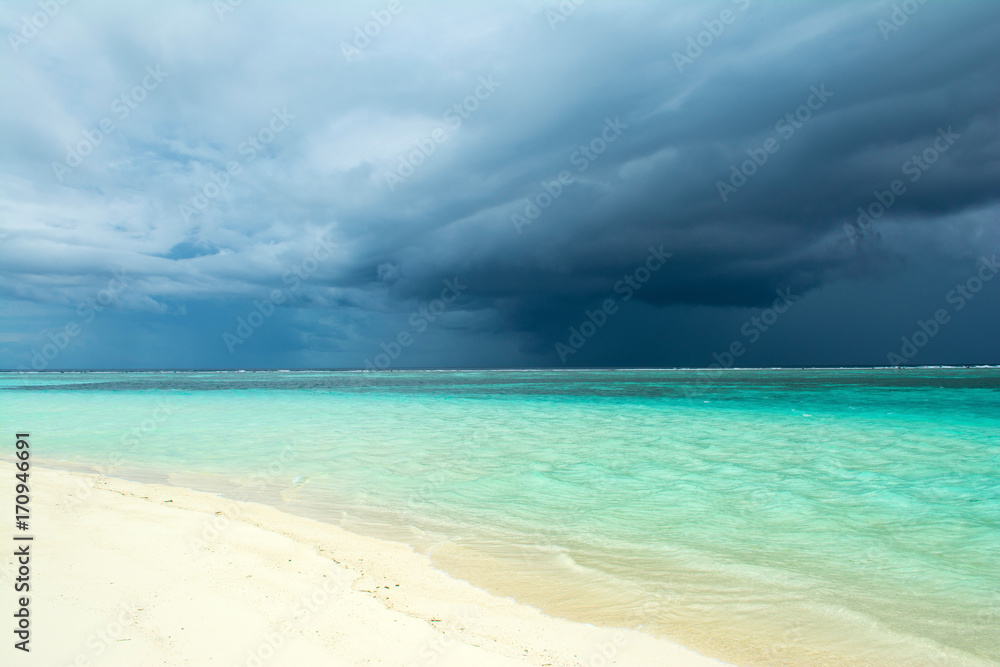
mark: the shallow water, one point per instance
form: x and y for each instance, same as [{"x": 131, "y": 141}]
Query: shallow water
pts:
[{"x": 760, "y": 516}]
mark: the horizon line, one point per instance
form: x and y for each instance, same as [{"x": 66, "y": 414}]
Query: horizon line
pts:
[{"x": 348, "y": 369}]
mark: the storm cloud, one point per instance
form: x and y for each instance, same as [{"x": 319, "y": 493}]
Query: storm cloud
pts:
[{"x": 309, "y": 179}]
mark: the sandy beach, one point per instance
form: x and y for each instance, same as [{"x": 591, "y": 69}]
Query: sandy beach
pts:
[{"x": 141, "y": 574}]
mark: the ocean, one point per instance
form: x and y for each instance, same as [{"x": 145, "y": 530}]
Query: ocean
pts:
[{"x": 765, "y": 517}]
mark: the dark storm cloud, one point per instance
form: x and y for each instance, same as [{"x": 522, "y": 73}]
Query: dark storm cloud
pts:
[{"x": 645, "y": 111}]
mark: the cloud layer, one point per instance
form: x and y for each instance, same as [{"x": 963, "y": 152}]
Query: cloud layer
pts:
[{"x": 314, "y": 174}]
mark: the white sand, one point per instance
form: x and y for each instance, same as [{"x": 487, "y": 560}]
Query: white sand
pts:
[{"x": 121, "y": 579}]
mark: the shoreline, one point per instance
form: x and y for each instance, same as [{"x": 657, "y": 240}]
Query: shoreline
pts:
[{"x": 141, "y": 573}]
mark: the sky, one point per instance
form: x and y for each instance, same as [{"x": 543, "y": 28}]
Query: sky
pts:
[{"x": 392, "y": 184}]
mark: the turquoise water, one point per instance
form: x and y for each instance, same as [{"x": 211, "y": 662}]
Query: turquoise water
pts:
[{"x": 764, "y": 517}]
